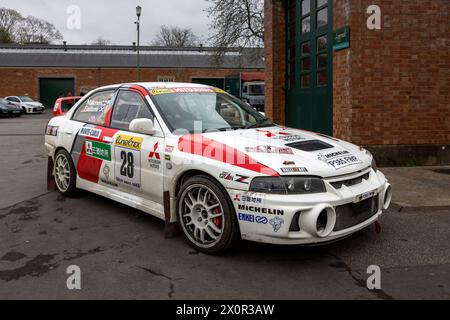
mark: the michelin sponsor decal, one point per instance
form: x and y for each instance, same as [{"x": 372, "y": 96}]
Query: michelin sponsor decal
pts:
[
  {"x": 339, "y": 159},
  {"x": 277, "y": 212}
]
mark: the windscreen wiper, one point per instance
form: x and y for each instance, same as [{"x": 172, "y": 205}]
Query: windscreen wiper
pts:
[{"x": 258, "y": 123}]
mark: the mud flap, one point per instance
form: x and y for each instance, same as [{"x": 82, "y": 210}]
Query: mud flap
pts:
[
  {"x": 170, "y": 228},
  {"x": 51, "y": 184},
  {"x": 377, "y": 227}
]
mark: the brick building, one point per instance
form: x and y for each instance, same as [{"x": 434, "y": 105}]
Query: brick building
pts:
[
  {"x": 330, "y": 69},
  {"x": 44, "y": 72}
]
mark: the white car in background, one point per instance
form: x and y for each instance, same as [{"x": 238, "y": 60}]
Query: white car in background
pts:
[
  {"x": 198, "y": 156},
  {"x": 27, "y": 104}
]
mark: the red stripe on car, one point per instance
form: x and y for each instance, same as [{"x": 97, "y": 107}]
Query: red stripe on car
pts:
[
  {"x": 208, "y": 148},
  {"x": 142, "y": 91},
  {"x": 88, "y": 168}
]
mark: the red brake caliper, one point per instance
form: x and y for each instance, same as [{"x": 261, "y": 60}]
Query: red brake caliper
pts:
[{"x": 218, "y": 220}]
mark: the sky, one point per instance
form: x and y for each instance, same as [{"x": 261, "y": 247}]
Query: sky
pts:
[{"x": 114, "y": 19}]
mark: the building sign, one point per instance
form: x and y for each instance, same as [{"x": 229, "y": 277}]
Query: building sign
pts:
[{"x": 341, "y": 39}]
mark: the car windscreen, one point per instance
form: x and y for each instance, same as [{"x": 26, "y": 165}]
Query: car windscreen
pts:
[
  {"x": 25, "y": 99},
  {"x": 204, "y": 109},
  {"x": 256, "y": 89}
]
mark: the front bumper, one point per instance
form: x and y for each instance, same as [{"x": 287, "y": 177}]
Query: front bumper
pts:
[
  {"x": 34, "y": 109},
  {"x": 9, "y": 112},
  {"x": 292, "y": 219}
]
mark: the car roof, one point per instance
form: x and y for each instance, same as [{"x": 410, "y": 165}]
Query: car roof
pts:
[{"x": 159, "y": 85}]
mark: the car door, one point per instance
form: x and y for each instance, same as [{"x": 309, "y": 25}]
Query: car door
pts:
[
  {"x": 90, "y": 139},
  {"x": 137, "y": 158}
]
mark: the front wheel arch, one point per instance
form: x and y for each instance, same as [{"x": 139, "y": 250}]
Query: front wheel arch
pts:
[{"x": 230, "y": 232}]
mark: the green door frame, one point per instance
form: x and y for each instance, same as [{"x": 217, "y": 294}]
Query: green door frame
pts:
[{"x": 309, "y": 61}]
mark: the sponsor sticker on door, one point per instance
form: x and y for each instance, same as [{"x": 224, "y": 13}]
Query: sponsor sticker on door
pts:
[
  {"x": 98, "y": 150},
  {"x": 127, "y": 156}
]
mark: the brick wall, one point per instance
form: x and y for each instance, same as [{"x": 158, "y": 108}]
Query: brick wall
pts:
[
  {"x": 392, "y": 87},
  {"x": 275, "y": 59},
  {"x": 25, "y": 81},
  {"x": 399, "y": 75}
]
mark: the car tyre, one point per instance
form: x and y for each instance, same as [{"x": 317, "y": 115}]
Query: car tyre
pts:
[
  {"x": 206, "y": 215},
  {"x": 64, "y": 173}
]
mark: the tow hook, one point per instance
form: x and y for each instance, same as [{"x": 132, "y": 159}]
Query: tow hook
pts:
[{"x": 377, "y": 227}]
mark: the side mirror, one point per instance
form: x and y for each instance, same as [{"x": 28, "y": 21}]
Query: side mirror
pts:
[{"x": 144, "y": 126}]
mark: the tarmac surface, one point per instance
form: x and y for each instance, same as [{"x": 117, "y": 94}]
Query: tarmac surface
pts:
[{"x": 122, "y": 252}]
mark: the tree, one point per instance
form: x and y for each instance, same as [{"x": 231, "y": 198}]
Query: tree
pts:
[
  {"x": 237, "y": 23},
  {"x": 175, "y": 37},
  {"x": 101, "y": 42},
  {"x": 9, "y": 25},
  {"x": 35, "y": 30}
]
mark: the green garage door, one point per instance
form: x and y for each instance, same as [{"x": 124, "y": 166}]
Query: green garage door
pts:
[
  {"x": 215, "y": 82},
  {"x": 51, "y": 89},
  {"x": 309, "y": 97}
]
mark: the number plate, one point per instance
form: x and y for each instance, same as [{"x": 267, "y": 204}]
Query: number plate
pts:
[{"x": 366, "y": 195}]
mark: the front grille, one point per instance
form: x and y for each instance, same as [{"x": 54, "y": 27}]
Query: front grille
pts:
[
  {"x": 350, "y": 182},
  {"x": 351, "y": 214},
  {"x": 313, "y": 145}
]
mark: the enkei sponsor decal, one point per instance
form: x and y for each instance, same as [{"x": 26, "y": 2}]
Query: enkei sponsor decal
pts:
[
  {"x": 90, "y": 132},
  {"x": 277, "y": 212},
  {"x": 98, "y": 150},
  {"x": 154, "y": 158},
  {"x": 269, "y": 149},
  {"x": 276, "y": 223},
  {"x": 294, "y": 169},
  {"x": 339, "y": 159},
  {"x": 253, "y": 218},
  {"x": 51, "y": 131},
  {"x": 129, "y": 142}
]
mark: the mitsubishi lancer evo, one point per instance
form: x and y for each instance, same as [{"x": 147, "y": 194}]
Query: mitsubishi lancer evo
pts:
[{"x": 196, "y": 156}]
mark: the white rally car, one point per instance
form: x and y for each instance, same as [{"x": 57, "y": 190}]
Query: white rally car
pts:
[{"x": 196, "y": 156}]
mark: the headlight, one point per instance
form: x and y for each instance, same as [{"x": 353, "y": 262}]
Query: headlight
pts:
[
  {"x": 287, "y": 185},
  {"x": 374, "y": 164}
]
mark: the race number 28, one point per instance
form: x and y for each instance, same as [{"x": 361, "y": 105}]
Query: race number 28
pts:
[{"x": 127, "y": 167}]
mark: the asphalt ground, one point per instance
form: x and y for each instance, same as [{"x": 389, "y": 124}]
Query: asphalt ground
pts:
[{"x": 122, "y": 252}]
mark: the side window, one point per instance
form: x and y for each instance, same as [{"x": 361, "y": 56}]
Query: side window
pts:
[
  {"x": 13, "y": 99},
  {"x": 95, "y": 108},
  {"x": 129, "y": 106}
]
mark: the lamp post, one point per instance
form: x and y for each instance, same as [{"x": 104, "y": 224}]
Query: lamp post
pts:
[{"x": 138, "y": 14}]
